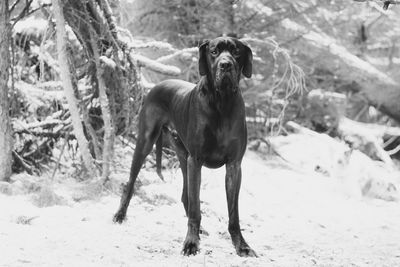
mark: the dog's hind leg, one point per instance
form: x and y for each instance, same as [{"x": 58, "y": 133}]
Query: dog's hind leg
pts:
[{"x": 149, "y": 131}]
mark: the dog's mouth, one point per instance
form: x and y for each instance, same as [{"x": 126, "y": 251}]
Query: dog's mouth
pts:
[{"x": 226, "y": 80}]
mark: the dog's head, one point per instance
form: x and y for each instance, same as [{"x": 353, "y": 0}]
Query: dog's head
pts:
[{"x": 223, "y": 60}]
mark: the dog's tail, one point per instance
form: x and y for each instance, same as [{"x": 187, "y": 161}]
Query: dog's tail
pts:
[{"x": 159, "y": 144}]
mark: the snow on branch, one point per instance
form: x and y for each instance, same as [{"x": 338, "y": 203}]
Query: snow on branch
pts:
[
  {"x": 129, "y": 43},
  {"x": 20, "y": 126},
  {"x": 153, "y": 44},
  {"x": 187, "y": 52},
  {"x": 154, "y": 65}
]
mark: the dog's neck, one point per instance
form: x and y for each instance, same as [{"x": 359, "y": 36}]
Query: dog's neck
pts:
[{"x": 219, "y": 99}]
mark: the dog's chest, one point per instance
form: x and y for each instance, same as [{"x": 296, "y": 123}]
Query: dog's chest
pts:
[{"x": 222, "y": 143}]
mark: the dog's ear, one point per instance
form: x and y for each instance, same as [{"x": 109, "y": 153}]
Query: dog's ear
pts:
[
  {"x": 247, "y": 69},
  {"x": 203, "y": 65}
]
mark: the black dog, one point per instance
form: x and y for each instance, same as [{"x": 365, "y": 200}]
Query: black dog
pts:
[{"x": 209, "y": 119}]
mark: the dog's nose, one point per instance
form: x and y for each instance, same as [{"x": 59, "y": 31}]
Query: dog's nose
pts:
[{"x": 225, "y": 65}]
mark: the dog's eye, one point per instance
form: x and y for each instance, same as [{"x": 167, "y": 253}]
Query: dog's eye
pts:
[
  {"x": 214, "y": 52},
  {"x": 236, "y": 52}
]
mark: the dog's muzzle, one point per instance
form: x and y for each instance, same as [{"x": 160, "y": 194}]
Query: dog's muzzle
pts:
[{"x": 226, "y": 75}]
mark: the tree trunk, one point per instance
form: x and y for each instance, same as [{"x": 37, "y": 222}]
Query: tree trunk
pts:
[
  {"x": 5, "y": 127},
  {"x": 380, "y": 90},
  {"x": 68, "y": 88}
]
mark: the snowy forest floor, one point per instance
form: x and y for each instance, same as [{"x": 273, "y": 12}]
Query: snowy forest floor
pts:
[{"x": 289, "y": 217}]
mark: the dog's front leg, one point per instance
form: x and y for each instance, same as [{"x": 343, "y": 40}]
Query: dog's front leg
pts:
[
  {"x": 232, "y": 186},
  {"x": 191, "y": 244}
]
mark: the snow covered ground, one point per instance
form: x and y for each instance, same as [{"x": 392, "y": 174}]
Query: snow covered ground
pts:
[{"x": 289, "y": 217}]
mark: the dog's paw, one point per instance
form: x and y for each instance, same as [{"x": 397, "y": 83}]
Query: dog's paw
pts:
[
  {"x": 119, "y": 217},
  {"x": 191, "y": 246},
  {"x": 246, "y": 251}
]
